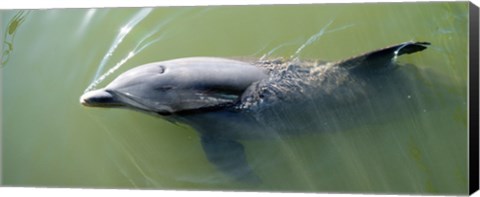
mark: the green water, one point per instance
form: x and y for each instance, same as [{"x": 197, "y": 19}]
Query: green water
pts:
[{"x": 51, "y": 56}]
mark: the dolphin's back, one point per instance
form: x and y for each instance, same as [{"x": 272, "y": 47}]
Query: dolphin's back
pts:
[
  {"x": 230, "y": 73},
  {"x": 345, "y": 100},
  {"x": 303, "y": 97}
]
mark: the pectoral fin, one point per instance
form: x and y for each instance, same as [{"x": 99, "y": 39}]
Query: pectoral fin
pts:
[{"x": 229, "y": 157}]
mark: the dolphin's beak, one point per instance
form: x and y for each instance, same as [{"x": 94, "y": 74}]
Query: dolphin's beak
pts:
[
  {"x": 112, "y": 98},
  {"x": 99, "y": 98}
]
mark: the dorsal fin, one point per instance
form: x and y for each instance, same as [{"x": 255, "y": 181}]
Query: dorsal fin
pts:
[{"x": 381, "y": 58}]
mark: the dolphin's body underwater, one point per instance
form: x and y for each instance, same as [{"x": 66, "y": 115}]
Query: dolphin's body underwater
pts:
[{"x": 227, "y": 100}]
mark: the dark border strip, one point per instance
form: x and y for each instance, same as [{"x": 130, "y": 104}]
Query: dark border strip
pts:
[{"x": 473, "y": 101}]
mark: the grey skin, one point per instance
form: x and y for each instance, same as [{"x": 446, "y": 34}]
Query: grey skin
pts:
[{"x": 227, "y": 101}]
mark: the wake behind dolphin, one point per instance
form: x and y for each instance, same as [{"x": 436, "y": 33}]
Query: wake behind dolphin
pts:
[{"x": 228, "y": 100}]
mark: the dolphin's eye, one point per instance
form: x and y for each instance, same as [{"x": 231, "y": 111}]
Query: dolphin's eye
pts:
[
  {"x": 164, "y": 88},
  {"x": 161, "y": 69}
]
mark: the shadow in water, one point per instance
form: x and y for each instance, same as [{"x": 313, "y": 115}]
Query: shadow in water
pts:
[{"x": 9, "y": 36}]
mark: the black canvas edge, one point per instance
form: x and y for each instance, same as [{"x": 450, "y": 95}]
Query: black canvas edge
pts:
[{"x": 473, "y": 100}]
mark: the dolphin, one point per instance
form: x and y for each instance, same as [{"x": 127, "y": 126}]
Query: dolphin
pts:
[{"x": 227, "y": 101}]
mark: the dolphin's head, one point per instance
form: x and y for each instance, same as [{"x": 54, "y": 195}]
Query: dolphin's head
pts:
[
  {"x": 176, "y": 86},
  {"x": 146, "y": 88}
]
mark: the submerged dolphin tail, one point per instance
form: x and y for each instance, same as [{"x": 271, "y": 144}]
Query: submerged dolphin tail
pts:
[{"x": 378, "y": 59}]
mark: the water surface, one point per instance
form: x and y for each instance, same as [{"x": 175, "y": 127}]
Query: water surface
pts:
[{"x": 50, "y": 57}]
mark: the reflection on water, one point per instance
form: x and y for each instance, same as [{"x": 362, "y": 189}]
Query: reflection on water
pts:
[
  {"x": 146, "y": 41},
  {"x": 123, "y": 32},
  {"x": 316, "y": 36},
  {"x": 49, "y": 139},
  {"x": 9, "y": 36}
]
